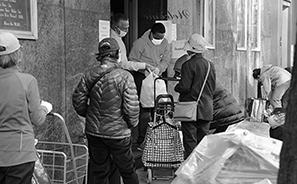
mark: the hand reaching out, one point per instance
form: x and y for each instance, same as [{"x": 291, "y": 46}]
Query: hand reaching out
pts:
[
  {"x": 156, "y": 71},
  {"x": 149, "y": 67}
]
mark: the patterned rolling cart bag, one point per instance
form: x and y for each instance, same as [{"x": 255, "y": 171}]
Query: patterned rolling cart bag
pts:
[{"x": 163, "y": 146}]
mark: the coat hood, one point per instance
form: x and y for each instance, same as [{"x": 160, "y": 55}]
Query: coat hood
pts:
[{"x": 265, "y": 68}]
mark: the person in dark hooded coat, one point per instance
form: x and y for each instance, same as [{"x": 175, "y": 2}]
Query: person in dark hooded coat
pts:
[{"x": 226, "y": 110}]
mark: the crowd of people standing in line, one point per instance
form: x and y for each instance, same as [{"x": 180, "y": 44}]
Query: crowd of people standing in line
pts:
[
  {"x": 108, "y": 122},
  {"x": 108, "y": 97}
]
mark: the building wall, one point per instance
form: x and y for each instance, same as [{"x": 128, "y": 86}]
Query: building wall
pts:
[
  {"x": 67, "y": 39},
  {"x": 233, "y": 67}
]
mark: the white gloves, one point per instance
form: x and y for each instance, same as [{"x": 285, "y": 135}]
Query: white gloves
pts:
[
  {"x": 149, "y": 67},
  {"x": 157, "y": 71},
  {"x": 47, "y": 105}
]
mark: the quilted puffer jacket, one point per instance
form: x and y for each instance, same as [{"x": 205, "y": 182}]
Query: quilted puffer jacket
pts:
[
  {"x": 111, "y": 107},
  {"x": 226, "y": 110}
]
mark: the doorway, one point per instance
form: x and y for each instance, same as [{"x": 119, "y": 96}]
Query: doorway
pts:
[
  {"x": 142, "y": 15},
  {"x": 128, "y": 8}
]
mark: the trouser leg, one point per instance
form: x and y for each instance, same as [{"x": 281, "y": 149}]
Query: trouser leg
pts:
[
  {"x": 193, "y": 133},
  {"x": 121, "y": 150},
  {"x": 19, "y": 174},
  {"x": 203, "y": 130},
  {"x": 100, "y": 160},
  {"x": 277, "y": 94},
  {"x": 189, "y": 130},
  {"x": 145, "y": 118}
]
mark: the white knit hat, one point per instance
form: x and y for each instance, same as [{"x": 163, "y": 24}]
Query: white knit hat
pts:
[{"x": 196, "y": 43}]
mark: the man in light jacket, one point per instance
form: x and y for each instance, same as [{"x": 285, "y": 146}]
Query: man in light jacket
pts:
[
  {"x": 119, "y": 29},
  {"x": 276, "y": 80},
  {"x": 151, "y": 48}
]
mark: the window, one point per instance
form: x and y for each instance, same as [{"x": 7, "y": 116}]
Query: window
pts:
[
  {"x": 208, "y": 21},
  {"x": 241, "y": 37},
  {"x": 256, "y": 25}
]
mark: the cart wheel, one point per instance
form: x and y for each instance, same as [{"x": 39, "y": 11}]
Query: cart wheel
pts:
[{"x": 149, "y": 175}]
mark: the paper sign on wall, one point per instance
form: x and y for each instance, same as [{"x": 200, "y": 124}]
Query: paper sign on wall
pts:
[
  {"x": 174, "y": 32},
  {"x": 177, "y": 48},
  {"x": 104, "y": 29}
]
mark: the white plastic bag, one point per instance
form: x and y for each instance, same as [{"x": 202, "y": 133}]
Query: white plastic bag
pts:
[
  {"x": 147, "y": 90},
  {"x": 258, "y": 108},
  {"x": 276, "y": 120},
  {"x": 231, "y": 158}
]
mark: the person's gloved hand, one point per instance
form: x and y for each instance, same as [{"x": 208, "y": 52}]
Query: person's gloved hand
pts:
[
  {"x": 156, "y": 71},
  {"x": 47, "y": 105},
  {"x": 149, "y": 67}
]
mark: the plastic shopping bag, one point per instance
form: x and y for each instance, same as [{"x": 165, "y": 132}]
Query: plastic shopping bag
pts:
[
  {"x": 147, "y": 90},
  {"x": 277, "y": 119},
  {"x": 231, "y": 158},
  {"x": 258, "y": 108}
]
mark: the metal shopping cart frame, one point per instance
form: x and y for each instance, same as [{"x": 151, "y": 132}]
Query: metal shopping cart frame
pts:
[{"x": 64, "y": 162}]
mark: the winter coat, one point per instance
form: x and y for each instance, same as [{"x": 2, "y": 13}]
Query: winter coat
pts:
[
  {"x": 273, "y": 76},
  {"x": 113, "y": 107},
  {"x": 226, "y": 110},
  {"x": 193, "y": 73}
]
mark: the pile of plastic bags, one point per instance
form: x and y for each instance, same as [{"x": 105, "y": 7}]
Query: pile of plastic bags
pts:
[{"x": 243, "y": 154}]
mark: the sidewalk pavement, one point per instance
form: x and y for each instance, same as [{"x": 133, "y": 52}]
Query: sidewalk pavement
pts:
[{"x": 158, "y": 172}]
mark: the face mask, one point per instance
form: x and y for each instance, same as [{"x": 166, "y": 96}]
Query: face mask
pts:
[
  {"x": 157, "y": 42},
  {"x": 122, "y": 33}
]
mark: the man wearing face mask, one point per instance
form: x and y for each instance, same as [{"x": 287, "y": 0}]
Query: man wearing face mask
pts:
[
  {"x": 119, "y": 29},
  {"x": 151, "y": 48}
]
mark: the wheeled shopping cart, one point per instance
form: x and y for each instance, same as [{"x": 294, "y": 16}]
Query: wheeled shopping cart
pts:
[
  {"x": 163, "y": 146},
  {"x": 63, "y": 161}
]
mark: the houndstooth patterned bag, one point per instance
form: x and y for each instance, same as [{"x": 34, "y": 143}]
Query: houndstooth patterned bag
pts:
[{"x": 163, "y": 146}]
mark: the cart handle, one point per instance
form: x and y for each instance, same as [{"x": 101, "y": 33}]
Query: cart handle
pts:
[{"x": 69, "y": 141}]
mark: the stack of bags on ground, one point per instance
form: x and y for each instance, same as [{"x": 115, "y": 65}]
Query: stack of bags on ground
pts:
[{"x": 243, "y": 154}]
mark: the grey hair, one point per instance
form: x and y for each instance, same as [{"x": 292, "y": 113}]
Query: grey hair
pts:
[{"x": 10, "y": 60}]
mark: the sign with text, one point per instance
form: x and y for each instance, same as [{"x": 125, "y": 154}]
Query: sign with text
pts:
[
  {"x": 174, "y": 32},
  {"x": 177, "y": 48},
  {"x": 104, "y": 29},
  {"x": 19, "y": 17}
]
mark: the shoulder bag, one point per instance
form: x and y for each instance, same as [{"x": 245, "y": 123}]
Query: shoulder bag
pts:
[{"x": 187, "y": 111}]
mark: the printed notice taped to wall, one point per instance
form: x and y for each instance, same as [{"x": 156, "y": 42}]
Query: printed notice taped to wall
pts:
[{"x": 104, "y": 29}]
